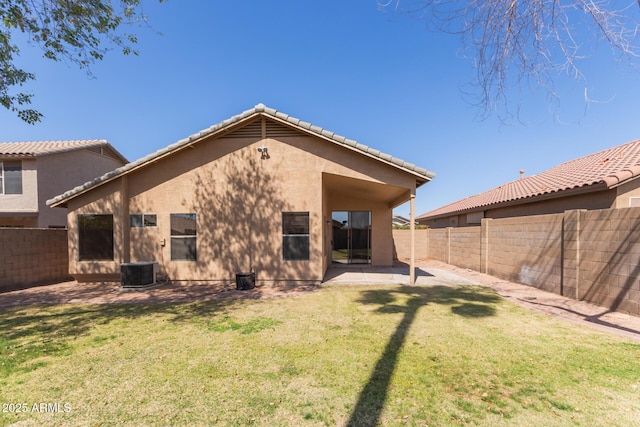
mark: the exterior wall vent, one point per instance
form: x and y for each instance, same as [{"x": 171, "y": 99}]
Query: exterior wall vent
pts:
[
  {"x": 253, "y": 131},
  {"x": 276, "y": 130}
]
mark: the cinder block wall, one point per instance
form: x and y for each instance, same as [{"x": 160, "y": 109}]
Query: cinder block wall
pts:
[
  {"x": 527, "y": 251},
  {"x": 609, "y": 258},
  {"x": 464, "y": 244},
  {"x": 402, "y": 244},
  {"x": 586, "y": 255},
  {"x": 439, "y": 244},
  {"x": 30, "y": 257}
]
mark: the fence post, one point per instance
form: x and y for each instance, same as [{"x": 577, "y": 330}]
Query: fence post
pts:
[
  {"x": 571, "y": 254},
  {"x": 448, "y": 245},
  {"x": 484, "y": 245}
]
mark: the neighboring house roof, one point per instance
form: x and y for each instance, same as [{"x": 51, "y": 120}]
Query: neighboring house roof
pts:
[
  {"x": 400, "y": 220},
  {"x": 44, "y": 148},
  {"x": 247, "y": 115},
  {"x": 602, "y": 170}
]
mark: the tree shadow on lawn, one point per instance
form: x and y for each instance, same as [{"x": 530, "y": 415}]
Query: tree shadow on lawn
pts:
[
  {"x": 29, "y": 332},
  {"x": 465, "y": 301}
]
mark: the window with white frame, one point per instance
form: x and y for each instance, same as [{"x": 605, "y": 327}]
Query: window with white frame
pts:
[{"x": 10, "y": 177}]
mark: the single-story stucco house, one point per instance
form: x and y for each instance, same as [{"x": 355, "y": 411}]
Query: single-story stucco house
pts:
[
  {"x": 608, "y": 179},
  {"x": 261, "y": 191}
]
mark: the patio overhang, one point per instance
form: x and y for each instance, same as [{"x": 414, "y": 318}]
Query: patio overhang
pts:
[
  {"x": 351, "y": 193},
  {"x": 391, "y": 195}
]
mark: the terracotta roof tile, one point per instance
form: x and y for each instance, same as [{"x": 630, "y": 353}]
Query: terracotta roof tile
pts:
[
  {"x": 258, "y": 109},
  {"x": 42, "y": 148},
  {"x": 607, "y": 168}
]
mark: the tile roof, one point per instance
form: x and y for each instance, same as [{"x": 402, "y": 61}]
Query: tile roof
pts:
[
  {"x": 42, "y": 148},
  {"x": 603, "y": 169},
  {"x": 259, "y": 109}
]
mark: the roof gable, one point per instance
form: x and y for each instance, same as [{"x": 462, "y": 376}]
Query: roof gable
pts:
[
  {"x": 45, "y": 148},
  {"x": 246, "y": 124},
  {"x": 604, "y": 169}
]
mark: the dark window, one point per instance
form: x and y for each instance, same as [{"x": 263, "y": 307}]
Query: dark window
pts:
[
  {"x": 295, "y": 236},
  {"x": 143, "y": 220},
  {"x": 150, "y": 220},
  {"x": 95, "y": 237},
  {"x": 183, "y": 237},
  {"x": 11, "y": 177},
  {"x": 135, "y": 220}
]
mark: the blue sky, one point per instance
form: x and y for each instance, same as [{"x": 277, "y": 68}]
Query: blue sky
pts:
[{"x": 378, "y": 77}]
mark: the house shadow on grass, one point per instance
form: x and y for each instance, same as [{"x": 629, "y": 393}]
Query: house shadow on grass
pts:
[{"x": 464, "y": 301}]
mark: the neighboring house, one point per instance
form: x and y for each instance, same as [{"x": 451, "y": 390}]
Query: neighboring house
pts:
[
  {"x": 32, "y": 172},
  {"x": 603, "y": 180},
  {"x": 400, "y": 221},
  {"x": 261, "y": 191}
]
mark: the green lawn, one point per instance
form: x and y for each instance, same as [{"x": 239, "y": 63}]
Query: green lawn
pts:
[{"x": 339, "y": 356}]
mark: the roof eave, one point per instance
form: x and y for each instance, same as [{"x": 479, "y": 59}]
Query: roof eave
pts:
[
  {"x": 152, "y": 158},
  {"x": 350, "y": 145},
  {"x": 585, "y": 189},
  {"x": 229, "y": 125}
]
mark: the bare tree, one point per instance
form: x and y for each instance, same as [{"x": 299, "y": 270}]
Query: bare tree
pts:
[{"x": 528, "y": 42}]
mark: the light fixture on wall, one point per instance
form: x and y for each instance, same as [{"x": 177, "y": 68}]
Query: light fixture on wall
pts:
[{"x": 264, "y": 151}]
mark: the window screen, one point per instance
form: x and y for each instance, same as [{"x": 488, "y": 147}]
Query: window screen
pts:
[
  {"x": 295, "y": 236},
  {"x": 183, "y": 237},
  {"x": 95, "y": 237}
]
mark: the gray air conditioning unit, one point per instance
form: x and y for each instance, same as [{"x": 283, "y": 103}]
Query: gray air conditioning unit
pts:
[{"x": 138, "y": 274}]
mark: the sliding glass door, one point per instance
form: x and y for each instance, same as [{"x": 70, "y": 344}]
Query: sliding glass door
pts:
[{"x": 351, "y": 237}]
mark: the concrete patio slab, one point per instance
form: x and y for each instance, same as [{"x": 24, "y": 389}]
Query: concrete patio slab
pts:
[{"x": 431, "y": 273}]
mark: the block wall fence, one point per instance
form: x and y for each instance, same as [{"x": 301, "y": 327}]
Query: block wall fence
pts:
[
  {"x": 31, "y": 257},
  {"x": 585, "y": 255},
  {"x": 402, "y": 244}
]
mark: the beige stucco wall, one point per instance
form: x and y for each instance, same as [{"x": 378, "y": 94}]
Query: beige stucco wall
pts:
[
  {"x": 103, "y": 200},
  {"x": 625, "y": 192},
  {"x": 45, "y": 177},
  {"x": 27, "y": 202},
  {"x": 60, "y": 172},
  {"x": 239, "y": 198}
]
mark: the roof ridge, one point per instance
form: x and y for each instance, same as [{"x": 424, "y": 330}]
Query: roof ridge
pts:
[
  {"x": 257, "y": 109},
  {"x": 608, "y": 167},
  {"x": 41, "y": 148}
]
